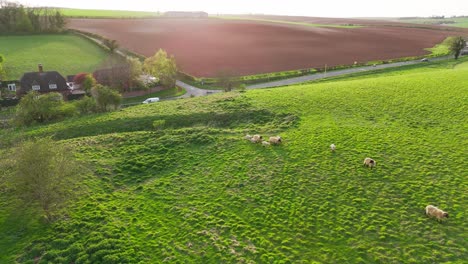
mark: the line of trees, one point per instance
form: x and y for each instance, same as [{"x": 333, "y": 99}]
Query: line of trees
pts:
[{"x": 15, "y": 18}]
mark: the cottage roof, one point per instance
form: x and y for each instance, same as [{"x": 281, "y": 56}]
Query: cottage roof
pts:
[{"x": 44, "y": 79}]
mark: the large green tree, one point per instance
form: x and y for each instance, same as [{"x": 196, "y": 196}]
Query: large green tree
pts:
[
  {"x": 106, "y": 98},
  {"x": 456, "y": 45},
  {"x": 227, "y": 80},
  {"x": 43, "y": 176},
  {"x": 163, "y": 67}
]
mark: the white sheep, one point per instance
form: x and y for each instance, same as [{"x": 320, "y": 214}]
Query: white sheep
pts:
[
  {"x": 369, "y": 162},
  {"x": 275, "y": 140},
  {"x": 436, "y": 212},
  {"x": 265, "y": 143},
  {"x": 256, "y": 139},
  {"x": 248, "y": 137},
  {"x": 332, "y": 147}
]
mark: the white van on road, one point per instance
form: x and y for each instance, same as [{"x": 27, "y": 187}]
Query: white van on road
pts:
[{"x": 151, "y": 100}]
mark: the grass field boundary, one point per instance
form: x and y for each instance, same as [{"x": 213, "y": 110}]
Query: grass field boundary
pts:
[
  {"x": 105, "y": 14},
  {"x": 348, "y": 26}
]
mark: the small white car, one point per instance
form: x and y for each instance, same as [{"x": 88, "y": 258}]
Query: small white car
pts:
[
  {"x": 425, "y": 60},
  {"x": 151, "y": 100}
]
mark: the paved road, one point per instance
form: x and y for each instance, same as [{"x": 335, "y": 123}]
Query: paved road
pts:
[
  {"x": 193, "y": 91},
  {"x": 318, "y": 76}
]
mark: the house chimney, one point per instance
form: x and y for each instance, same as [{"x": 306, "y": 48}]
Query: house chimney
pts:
[{"x": 40, "y": 68}]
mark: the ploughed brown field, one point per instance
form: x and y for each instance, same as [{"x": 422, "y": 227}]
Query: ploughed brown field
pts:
[{"x": 202, "y": 47}]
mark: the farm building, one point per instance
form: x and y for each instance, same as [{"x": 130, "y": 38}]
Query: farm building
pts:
[
  {"x": 43, "y": 82},
  {"x": 182, "y": 14}
]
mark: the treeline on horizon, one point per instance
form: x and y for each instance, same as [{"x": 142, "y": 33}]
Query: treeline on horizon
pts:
[{"x": 16, "y": 18}]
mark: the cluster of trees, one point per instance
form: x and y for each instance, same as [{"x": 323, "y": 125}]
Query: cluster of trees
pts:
[
  {"x": 163, "y": 67},
  {"x": 122, "y": 74},
  {"x": 125, "y": 74},
  {"x": 36, "y": 108},
  {"x": 15, "y": 18}
]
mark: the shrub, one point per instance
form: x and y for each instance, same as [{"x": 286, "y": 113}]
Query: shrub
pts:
[
  {"x": 35, "y": 108},
  {"x": 87, "y": 105},
  {"x": 106, "y": 98}
]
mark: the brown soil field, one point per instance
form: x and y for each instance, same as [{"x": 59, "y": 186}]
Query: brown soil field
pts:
[{"x": 202, "y": 47}]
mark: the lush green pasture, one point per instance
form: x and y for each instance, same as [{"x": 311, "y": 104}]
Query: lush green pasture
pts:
[
  {"x": 288, "y": 22},
  {"x": 176, "y": 182},
  {"x": 431, "y": 66},
  {"x": 92, "y": 13},
  {"x": 67, "y": 54}
]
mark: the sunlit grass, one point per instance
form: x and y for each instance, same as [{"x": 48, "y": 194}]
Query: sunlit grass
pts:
[{"x": 176, "y": 182}]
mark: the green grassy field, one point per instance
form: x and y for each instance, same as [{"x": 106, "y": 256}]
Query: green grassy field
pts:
[
  {"x": 176, "y": 182},
  {"x": 458, "y": 21},
  {"x": 288, "y": 22},
  {"x": 91, "y": 13},
  {"x": 67, "y": 54}
]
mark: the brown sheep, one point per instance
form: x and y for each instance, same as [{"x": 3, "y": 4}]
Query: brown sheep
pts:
[
  {"x": 369, "y": 162},
  {"x": 436, "y": 212},
  {"x": 256, "y": 139},
  {"x": 275, "y": 140}
]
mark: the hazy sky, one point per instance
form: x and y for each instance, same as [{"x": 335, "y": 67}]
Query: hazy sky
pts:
[{"x": 322, "y": 8}]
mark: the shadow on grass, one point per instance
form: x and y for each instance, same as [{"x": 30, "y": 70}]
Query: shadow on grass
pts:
[{"x": 237, "y": 119}]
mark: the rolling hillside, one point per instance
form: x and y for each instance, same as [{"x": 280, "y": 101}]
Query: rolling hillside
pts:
[{"x": 176, "y": 182}]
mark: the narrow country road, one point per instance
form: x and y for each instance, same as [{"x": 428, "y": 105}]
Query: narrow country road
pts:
[
  {"x": 193, "y": 91},
  {"x": 318, "y": 76}
]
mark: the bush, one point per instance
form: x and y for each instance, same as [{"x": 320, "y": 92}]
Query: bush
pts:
[
  {"x": 87, "y": 105},
  {"x": 106, "y": 98},
  {"x": 36, "y": 108}
]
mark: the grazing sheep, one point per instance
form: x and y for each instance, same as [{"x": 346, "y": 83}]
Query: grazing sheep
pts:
[
  {"x": 265, "y": 143},
  {"x": 369, "y": 162},
  {"x": 275, "y": 140},
  {"x": 436, "y": 212},
  {"x": 248, "y": 137},
  {"x": 332, "y": 147},
  {"x": 256, "y": 139}
]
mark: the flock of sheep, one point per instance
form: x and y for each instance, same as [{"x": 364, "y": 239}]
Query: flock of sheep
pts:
[
  {"x": 259, "y": 139},
  {"x": 431, "y": 210}
]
